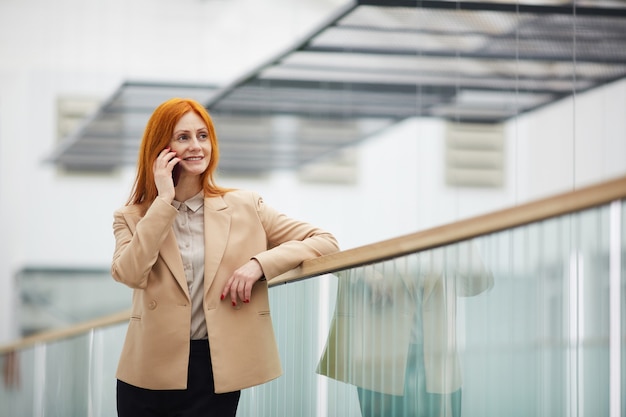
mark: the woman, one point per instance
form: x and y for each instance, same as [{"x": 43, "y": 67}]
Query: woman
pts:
[{"x": 198, "y": 257}]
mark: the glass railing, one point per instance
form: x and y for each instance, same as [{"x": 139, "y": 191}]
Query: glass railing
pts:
[
  {"x": 517, "y": 313},
  {"x": 68, "y": 372},
  {"x": 527, "y": 321}
]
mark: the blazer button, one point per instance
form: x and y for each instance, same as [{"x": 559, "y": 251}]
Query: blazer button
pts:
[{"x": 152, "y": 304}]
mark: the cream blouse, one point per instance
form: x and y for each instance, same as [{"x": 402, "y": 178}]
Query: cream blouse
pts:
[{"x": 189, "y": 231}]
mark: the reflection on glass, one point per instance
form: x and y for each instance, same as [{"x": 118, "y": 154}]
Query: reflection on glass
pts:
[
  {"x": 11, "y": 370},
  {"x": 523, "y": 322},
  {"x": 394, "y": 331}
]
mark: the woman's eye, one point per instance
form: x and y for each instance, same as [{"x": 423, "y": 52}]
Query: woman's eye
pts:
[
  {"x": 182, "y": 137},
  {"x": 203, "y": 136}
]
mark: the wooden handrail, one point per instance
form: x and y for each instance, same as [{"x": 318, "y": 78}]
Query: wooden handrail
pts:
[
  {"x": 535, "y": 211},
  {"x": 520, "y": 215},
  {"x": 67, "y": 332}
]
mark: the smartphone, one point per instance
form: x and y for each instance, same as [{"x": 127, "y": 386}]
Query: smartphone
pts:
[{"x": 176, "y": 173}]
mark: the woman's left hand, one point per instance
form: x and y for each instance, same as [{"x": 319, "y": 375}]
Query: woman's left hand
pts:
[{"x": 241, "y": 282}]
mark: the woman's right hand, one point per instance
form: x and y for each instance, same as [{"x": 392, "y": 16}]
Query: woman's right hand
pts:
[{"x": 162, "y": 169}]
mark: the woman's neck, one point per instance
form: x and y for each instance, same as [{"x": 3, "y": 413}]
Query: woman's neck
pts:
[{"x": 184, "y": 190}]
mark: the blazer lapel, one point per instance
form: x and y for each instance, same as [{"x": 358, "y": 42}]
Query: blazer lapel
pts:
[
  {"x": 171, "y": 256},
  {"x": 217, "y": 216}
]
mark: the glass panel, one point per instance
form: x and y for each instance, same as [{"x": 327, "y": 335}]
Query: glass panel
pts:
[
  {"x": 514, "y": 323},
  {"x": 520, "y": 322},
  {"x": 71, "y": 377}
]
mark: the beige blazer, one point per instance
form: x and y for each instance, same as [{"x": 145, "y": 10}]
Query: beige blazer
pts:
[
  {"x": 238, "y": 227},
  {"x": 368, "y": 342}
]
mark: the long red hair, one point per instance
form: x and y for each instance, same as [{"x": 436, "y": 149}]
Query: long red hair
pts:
[{"x": 157, "y": 136}]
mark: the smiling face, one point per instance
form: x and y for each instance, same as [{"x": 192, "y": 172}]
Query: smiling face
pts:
[{"x": 191, "y": 143}]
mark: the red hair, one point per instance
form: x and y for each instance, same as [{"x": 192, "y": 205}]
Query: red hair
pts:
[{"x": 157, "y": 136}]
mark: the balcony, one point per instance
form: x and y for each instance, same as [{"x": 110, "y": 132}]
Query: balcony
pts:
[{"x": 524, "y": 305}]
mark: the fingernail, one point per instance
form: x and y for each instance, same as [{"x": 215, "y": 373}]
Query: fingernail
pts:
[
  {"x": 234, "y": 304},
  {"x": 246, "y": 301},
  {"x": 222, "y": 297}
]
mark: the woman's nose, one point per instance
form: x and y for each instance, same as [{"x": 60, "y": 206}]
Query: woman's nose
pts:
[{"x": 194, "y": 143}]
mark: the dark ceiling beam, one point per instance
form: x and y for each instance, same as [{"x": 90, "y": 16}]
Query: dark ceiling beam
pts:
[
  {"x": 480, "y": 54},
  {"x": 565, "y": 9},
  {"x": 517, "y": 35}
]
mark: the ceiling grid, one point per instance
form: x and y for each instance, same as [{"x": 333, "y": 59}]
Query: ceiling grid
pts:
[{"x": 374, "y": 64}]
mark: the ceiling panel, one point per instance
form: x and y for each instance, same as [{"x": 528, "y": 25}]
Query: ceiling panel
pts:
[{"x": 373, "y": 64}]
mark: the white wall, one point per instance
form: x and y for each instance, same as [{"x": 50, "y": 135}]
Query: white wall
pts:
[
  {"x": 71, "y": 46},
  {"x": 575, "y": 142}
]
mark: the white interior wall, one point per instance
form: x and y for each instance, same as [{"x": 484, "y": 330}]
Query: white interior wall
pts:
[
  {"x": 48, "y": 219},
  {"x": 575, "y": 142}
]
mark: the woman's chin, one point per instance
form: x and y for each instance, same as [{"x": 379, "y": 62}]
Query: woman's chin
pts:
[{"x": 195, "y": 169}]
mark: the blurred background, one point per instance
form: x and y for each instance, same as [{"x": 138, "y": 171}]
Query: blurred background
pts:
[{"x": 369, "y": 121}]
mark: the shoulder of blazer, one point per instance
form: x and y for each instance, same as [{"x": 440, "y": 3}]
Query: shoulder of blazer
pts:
[
  {"x": 234, "y": 198},
  {"x": 132, "y": 213}
]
